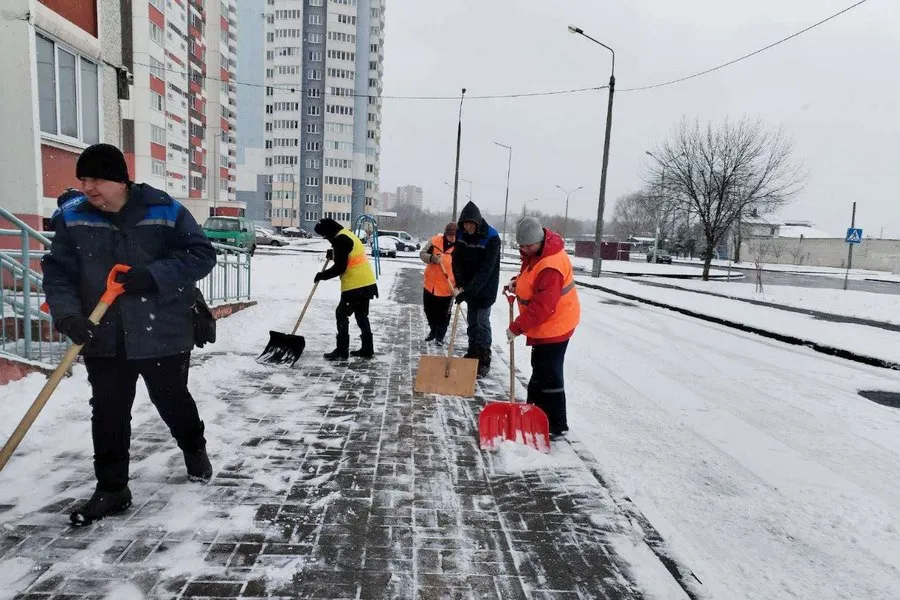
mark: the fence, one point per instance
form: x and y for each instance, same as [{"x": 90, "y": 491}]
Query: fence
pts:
[{"x": 26, "y": 328}]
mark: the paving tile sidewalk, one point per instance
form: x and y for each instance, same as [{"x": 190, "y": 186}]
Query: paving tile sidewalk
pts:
[{"x": 343, "y": 484}]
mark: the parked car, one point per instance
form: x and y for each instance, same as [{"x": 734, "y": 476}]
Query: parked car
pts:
[
  {"x": 400, "y": 244},
  {"x": 267, "y": 237},
  {"x": 403, "y": 237},
  {"x": 662, "y": 257},
  {"x": 296, "y": 232},
  {"x": 387, "y": 247},
  {"x": 233, "y": 231}
]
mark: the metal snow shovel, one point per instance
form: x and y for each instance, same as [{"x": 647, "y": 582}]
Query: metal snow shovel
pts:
[
  {"x": 114, "y": 289},
  {"x": 515, "y": 421},
  {"x": 447, "y": 374},
  {"x": 287, "y": 347}
]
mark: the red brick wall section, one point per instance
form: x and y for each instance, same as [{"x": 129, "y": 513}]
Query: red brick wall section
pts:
[
  {"x": 80, "y": 12},
  {"x": 11, "y": 370},
  {"x": 58, "y": 170},
  {"x": 228, "y": 211}
]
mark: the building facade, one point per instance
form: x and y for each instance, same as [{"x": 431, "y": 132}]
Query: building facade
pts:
[
  {"x": 63, "y": 85},
  {"x": 322, "y": 121},
  {"x": 180, "y": 129},
  {"x": 410, "y": 195}
]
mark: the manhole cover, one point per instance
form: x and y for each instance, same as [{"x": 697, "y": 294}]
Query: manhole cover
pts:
[{"x": 891, "y": 399}]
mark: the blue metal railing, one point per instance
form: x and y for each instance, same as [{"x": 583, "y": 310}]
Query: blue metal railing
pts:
[
  {"x": 26, "y": 328},
  {"x": 359, "y": 227}
]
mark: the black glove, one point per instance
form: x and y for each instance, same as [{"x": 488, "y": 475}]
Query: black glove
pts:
[
  {"x": 460, "y": 298},
  {"x": 319, "y": 277},
  {"x": 139, "y": 281},
  {"x": 79, "y": 329},
  {"x": 329, "y": 254}
]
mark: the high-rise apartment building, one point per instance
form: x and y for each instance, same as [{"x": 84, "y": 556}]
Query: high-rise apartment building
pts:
[
  {"x": 181, "y": 129},
  {"x": 324, "y": 66},
  {"x": 410, "y": 195}
]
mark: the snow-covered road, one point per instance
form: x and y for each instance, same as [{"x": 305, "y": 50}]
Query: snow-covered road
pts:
[{"x": 757, "y": 461}]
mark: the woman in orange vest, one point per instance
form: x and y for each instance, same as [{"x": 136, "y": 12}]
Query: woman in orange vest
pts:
[
  {"x": 549, "y": 311},
  {"x": 438, "y": 294}
]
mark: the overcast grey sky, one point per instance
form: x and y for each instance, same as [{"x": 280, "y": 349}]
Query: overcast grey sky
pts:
[{"x": 835, "y": 90}]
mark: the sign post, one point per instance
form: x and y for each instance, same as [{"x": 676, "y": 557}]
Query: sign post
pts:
[{"x": 854, "y": 236}]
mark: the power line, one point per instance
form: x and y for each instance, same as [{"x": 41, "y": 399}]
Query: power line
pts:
[
  {"x": 288, "y": 88},
  {"x": 746, "y": 56}
]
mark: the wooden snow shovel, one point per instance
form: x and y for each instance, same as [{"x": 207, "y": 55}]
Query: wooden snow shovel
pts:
[
  {"x": 287, "y": 347},
  {"x": 447, "y": 374},
  {"x": 515, "y": 421},
  {"x": 114, "y": 289}
]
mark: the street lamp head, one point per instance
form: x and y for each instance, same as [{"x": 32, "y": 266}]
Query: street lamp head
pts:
[
  {"x": 573, "y": 29},
  {"x": 648, "y": 153}
]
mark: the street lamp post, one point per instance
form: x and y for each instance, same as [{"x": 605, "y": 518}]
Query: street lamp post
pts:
[
  {"x": 566, "y": 218},
  {"x": 506, "y": 202},
  {"x": 463, "y": 179},
  {"x": 525, "y": 206},
  {"x": 598, "y": 234},
  {"x": 458, "y": 143}
]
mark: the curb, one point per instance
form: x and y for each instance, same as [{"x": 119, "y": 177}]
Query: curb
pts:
[{"x": 788, "y": 339}]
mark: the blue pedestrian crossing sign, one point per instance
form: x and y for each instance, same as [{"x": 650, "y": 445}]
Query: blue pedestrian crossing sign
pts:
[{"x": 854, "y": 236}]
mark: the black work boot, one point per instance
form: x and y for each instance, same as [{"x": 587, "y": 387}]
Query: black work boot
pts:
[
  {"x": 368, "y": 348},
  {"x": 484, "y": 362},
  {"x": 342, "y": 352},
  {"x": 431, "y": 336},
  {"x": 472, "y": 352},
  {"x": 102, "y": 504},
  {"x": 198, "y": 466}
]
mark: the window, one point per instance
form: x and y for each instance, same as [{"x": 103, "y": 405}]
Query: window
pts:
[
  {"x": 158, "y": 4},
  {"x": 312, "y": 128},
  {"x": 312, "y": 181},
  {"x": 314, "y": 38},
  {"x": 315, "y": 19},
  {"x": 157, "y": 69},
  {"x": 157, "y": 135},
  {"x": 314, "y": 56},
  {"x": 157, "y": 102},
  {"x": 346, "y": 19},
  {"x": 313, "y": 163},
  {"x": 156, "y": 34},
  {"x": 313, "y": 93},
  {"x": 336, "y": 109},
  {"x": 68, "y": 92},
  {"x": 158, "y": 167},
  {"x": 312, "y": 198},
  {"x": 315, "y": 2},
  {"x": 313, "y": 111},
  {"x": 313, "y": 146},
  {"x": 314, "y": 74}
]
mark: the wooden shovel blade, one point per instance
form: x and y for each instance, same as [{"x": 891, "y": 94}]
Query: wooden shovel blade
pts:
[{"x": 434, "y": 378}]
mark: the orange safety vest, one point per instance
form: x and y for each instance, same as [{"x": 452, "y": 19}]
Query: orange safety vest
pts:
[
  {"x": 568, "y": 311},
  {"x": 435, "y": 280}
]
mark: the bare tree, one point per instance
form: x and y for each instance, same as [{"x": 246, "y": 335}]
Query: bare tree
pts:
[
  {"x": 759, "y": 249},
  {"x": 779, "y": 247},
  {"x": 796, "y": 251},
  {"x": 722, "y": 172},
  {"x": 634, "y": 215}
]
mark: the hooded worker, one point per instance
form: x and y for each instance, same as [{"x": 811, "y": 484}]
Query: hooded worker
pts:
[
  {"x": 549, "y": 311},
  {"x": 358, "y": 287},
  {"x": 476, "y": 269}
]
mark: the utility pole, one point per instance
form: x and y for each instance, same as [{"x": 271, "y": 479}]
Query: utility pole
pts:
[
  {"x": 506, "y": 202},
  {"x": 850, "y": 250},
  {"x": 458, "y": 144}
]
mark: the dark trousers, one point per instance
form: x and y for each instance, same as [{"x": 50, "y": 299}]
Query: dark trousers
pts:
[
  {"x": 357, "y": 306},
  {"x": 113, "y": 385},
  {"x": 479, "y": 329},
  {"x": 437, "y": 312},
  {"x": 546, "y": 389}
]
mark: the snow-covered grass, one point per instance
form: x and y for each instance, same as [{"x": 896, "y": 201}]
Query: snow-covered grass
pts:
[
  {"x": 855, "y": 274},
  {"x": 851, "y": 303},
  {"x": 860, "y": 339},
  {"x": 764, "y": 470},
  {"x": 636, "y": 267}
]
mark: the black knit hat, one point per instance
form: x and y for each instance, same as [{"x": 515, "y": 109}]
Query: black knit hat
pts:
[
  {"x": 102, "y": 161},
  {"x": 327, "y": 228}
]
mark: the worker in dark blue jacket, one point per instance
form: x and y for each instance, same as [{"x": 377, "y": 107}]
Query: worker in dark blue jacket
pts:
[{"x": 147, "y": 332}]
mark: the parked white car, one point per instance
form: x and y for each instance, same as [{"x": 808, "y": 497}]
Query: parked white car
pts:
[
  {"x": 387, "y": 246},
  {"x": 400, "y": 244},
  {"x": 267, "y": 237}
]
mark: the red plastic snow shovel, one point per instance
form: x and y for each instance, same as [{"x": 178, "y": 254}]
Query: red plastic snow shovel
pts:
[
  {"x": 515, "y": 421},
  {"x": 114, "y": 289}
]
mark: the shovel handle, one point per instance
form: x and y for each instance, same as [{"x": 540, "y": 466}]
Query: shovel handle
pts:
[
  {"x": 114, "y": 289},
  {"x": 452, "y": 338},
  {"x": 512, "y": 348},
  {"x": 308, "y": 299}
]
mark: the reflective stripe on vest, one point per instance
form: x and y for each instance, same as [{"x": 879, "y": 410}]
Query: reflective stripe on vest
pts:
[
  {"x": 359, "y": 271},
  {"x": 566, "y": 289},
  {"x": 435, "y": 281},
  {"x": 568, "y": 310}
]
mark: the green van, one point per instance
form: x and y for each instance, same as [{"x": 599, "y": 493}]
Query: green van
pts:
[{"x": 234, "y": 231}]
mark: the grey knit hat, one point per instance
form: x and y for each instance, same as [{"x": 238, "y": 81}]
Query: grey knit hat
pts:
[{"x": 529, "y": 231}]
